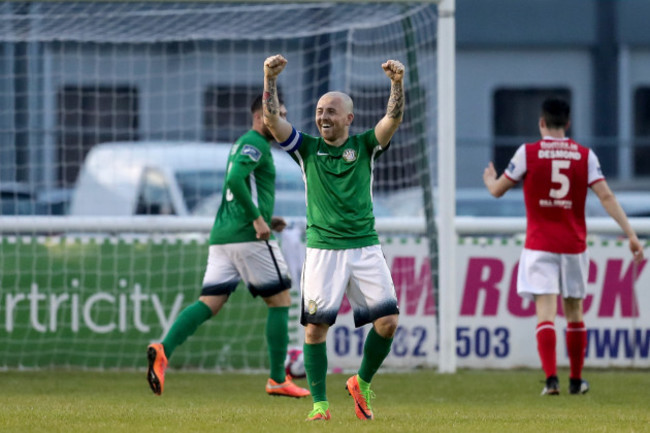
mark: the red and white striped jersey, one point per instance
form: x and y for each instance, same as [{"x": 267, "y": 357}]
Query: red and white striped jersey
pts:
[{"x": 556, "y": 174}]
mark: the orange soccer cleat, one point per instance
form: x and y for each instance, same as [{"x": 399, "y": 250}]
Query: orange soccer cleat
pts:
[
  {"x": 361, "y": 399},
  {"x": 285, "y": 389},
  {"x": 157, "y": 366}
]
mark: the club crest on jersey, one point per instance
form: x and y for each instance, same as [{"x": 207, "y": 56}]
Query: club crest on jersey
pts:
[
  {"x": 349, "y": 155},
  {"x": 252, "y": 151},
  {"x": 312, "y": 307},
  {"x": 511, "y": 167}
]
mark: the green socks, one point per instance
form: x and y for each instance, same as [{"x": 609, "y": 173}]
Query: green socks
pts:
[
  {"x": 375, "y": 350},
  {"x": 277, "y": 340},
  {"x": 277, "y": 333},
  {"x": 363, "y": 385},
  {"x": 185, "y": 325},
  {"x": 316, "y": 367}
]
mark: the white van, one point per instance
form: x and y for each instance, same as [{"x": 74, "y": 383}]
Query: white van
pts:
[{"x": 168, "y": 178}]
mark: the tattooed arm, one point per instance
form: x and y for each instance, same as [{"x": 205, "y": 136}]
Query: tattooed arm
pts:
[
  {"x": 395, "y": 110},
  {"x": 279, "y": 127}
]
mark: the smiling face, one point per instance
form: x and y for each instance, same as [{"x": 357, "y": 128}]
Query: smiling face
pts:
[{"x": 334, "y": 117}]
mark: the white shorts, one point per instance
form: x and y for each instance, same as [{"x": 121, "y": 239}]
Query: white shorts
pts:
[
  {"x": 264, "y": 273},
  {"x": 544, "y": 273},
  {"x": 361, "y": 273}
]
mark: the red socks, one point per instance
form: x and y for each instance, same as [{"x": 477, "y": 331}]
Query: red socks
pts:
[
  {"x": 576, "y": 343},
  {"x": 545, "y": 334}
]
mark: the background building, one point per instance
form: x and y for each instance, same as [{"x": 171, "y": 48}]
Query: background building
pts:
[
  {"x": 596, "y": 53},
  {"x": 59, "y": 99}
]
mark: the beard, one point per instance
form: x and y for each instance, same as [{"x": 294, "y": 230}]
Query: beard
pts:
[{"x": 266, "y": 133}]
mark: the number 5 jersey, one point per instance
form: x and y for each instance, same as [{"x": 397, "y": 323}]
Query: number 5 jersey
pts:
[{"x": 556, "y": 174}]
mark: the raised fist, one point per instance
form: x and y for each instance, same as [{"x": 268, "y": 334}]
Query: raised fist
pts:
[
  {"x": 394, "y": 70},
  {"x": 274, "y": 65}
]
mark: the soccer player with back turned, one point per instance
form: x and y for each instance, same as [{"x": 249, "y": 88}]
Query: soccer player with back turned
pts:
[
  {"x": 242, "y": 247},
  {"x": 556, "y": 173},
  {"x": 343, "y": 252}
]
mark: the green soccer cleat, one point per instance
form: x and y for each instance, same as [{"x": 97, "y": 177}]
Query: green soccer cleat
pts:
[{"x": 319, "y": 414}]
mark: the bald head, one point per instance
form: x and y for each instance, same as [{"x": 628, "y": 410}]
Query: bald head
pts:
[{"x": 343, "y": 98}]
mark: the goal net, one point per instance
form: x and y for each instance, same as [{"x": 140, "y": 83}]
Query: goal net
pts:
[{"x": 109, "y": 188}]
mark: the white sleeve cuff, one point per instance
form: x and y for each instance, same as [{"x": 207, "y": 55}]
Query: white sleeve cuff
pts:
[{"x": 292, "y": 143}]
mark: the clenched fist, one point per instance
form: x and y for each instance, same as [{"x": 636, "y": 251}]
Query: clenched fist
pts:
[
  {"x": 274, "y": 65},
  {"x": 394, "y": 70}
]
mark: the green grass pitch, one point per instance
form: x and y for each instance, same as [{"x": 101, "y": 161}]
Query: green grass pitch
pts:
[{"x": 420, "y": 401}]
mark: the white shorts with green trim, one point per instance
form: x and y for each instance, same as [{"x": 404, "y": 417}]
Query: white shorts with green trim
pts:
[
  {"x": 360, "y": 273},
  {"x": 544, "y": 273},
  {"x": 260, "y": 265}
]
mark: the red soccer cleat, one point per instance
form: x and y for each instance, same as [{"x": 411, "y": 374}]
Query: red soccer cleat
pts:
[
  {"x": 361, "y": 399},
  {"x": 285, "y": 389},
  {"x": 157, "y": 366}
]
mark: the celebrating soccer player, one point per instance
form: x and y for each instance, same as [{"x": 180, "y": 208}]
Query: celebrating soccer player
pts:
[
  {"x": 343, "y": 252},
  {"x": 556, "y": 173}
]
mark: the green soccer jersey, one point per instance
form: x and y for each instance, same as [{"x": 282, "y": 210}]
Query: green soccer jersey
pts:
[
  {"x": 249, "y": 191},
  {"x": 339, "y": 191}
]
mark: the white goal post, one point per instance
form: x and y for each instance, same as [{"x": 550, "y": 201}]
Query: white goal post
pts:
[{"x": 447, "y": 184}]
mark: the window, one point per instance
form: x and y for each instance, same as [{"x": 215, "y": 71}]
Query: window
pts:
[
  {"x": 227, "y": 111},
  {"x": 400, "y": 167},
  {"x": 642, "y": 131},
  {"x": 91, "y": 115},
  {"x": 198, "y": 185},
  {"x": 154, "y": 197},
  {"x": 516, "y": 119}
]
